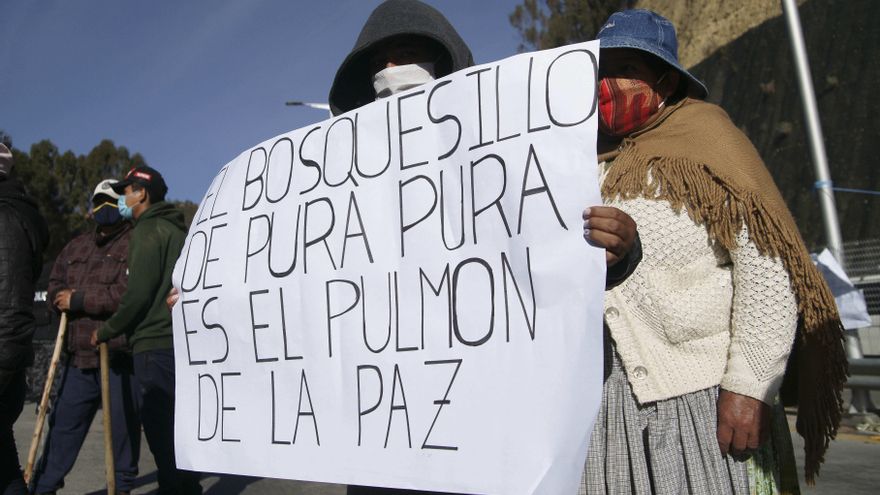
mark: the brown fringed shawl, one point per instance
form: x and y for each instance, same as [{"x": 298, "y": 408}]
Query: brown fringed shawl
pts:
[{"x": 695, "y": 158}]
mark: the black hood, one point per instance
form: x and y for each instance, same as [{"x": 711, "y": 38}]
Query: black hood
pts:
[{"x": 353, "y": 84}]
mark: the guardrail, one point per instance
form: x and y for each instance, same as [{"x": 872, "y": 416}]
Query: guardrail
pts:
[{"x": 864, "y": 373}]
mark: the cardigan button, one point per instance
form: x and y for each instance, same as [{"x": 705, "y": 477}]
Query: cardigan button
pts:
[
  {"x": 640, "y": 373},
  {"x": 611, "y": 313}
]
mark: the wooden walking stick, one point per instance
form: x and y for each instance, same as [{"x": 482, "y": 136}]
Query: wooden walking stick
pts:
[
  {"x": 44, "y": 401},
  {"x": 108, "y": 431}
]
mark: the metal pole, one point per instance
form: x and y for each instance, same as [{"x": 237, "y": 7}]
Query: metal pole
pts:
[
  {"x": 814, "y": 131},
  {"x": 319, "y": 106},
  {"x": 861, "y": 400}
]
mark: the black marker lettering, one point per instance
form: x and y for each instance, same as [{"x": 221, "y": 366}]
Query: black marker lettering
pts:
[
  {"x": 442, "y": 402},
  {"x": 275, "y": 440},
  {"x": 287, "y": 356},
  {"x": 209, "y": 259},
  {"x": 364, "y": 318},
  {"x": 309, "y": 162},
  {"x": 444, "y": 280},
  {"x": 310, "y": 412},
  {"x": 498, "y": 109},
  {"x": 505, "y": 270},
  {"x": 260, "y": 154},
  {"x": 322, "y": 238},
  {"x": 199, "y": 238},
  {"x": 187, "y": 332},
  {"x": 249, "y": 253},
  {"x": 203, "y": 438},
  {"x": 455, "y": 327},
  {"x": 460, "y": 209},
  {"x": 258, "y": 326},
  {"x": 330, "y": 315},
  {"x": 593, "y": 104},
  {"x": 396, "y": 383},
  {"x": 445, "y": 118},
  {"x": 361, "y": 232},
  {"x": 288, "y": 162},
  {"x": 357, "y": 154},
  {"x": 406, "y": 226},
  {"x": 361, "y": 411},
  {"x": 543, "y": 188},
  {"x": 529, "y": 103},
  {"x": 479, "y": 74},
  {"x": 348, "y": 175},
  {"x": 211, "y": 326},
  {"x": 224, "y": 408},
  {"x": 284, "y": 271},
  {"x": 496, "y": 202},
  {"x": 401, "y": 131}
]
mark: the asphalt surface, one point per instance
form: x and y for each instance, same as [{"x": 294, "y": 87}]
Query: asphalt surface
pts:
[
  {"x": 852, "y": 466},
  {"x": 87, "y": 476}
]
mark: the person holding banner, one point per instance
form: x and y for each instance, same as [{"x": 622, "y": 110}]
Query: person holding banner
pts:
[
  {"x": 406, "y": 43},
  {"x": 156, "y": 240},
  {"x": 699, "y": 336},
  {"x": 403, "y": 44},
  {"x": 23, "y": 236},
  {"x": 87, "y": 281}
]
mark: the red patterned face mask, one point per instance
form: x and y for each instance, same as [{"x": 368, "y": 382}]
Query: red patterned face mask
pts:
[{"x": 625, "y": 105}]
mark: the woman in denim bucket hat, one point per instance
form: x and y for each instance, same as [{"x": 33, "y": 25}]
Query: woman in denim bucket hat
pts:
[{"x": 699, "y": 335}]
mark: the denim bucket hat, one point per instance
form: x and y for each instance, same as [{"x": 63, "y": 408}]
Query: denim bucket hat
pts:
[{"x": 650, "y": 32}]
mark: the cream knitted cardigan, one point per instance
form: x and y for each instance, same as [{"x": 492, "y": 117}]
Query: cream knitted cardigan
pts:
[{"x": 694, "y": 315}]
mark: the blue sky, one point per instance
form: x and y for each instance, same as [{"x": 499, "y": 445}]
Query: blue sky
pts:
[{"x": 189, "y": 84}]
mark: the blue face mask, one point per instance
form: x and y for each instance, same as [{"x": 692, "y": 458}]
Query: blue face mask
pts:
[
  {"x": 124, "y": 209},
  {"x": 106, "y": 214}
]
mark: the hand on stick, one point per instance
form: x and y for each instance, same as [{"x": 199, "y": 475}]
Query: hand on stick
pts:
[{"x": 62, "y": 299}]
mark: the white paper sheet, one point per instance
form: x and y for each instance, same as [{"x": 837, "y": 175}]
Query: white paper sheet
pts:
[{"x": 401, "y": 296}]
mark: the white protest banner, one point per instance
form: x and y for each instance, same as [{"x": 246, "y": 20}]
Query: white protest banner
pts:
[{"x": 401, "y": 295}]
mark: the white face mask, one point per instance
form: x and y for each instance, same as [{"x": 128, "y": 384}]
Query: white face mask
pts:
[{"x": 393, "y": 80}]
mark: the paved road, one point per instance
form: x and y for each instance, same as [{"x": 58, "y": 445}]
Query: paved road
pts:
[
  {"x": 852, "y": 467},
  {"x": 87, "y": 476}
]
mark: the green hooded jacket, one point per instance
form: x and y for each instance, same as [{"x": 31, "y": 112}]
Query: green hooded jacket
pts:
[{"x": 156, "y": 242}]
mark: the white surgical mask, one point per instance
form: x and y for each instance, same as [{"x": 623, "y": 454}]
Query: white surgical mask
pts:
[{"x": 393, "y": 80}]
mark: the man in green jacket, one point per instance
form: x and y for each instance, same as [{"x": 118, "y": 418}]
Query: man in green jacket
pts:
[{"x": 158, "y": 236}]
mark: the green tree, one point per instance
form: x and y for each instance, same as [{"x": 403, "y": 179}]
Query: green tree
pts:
[
  {"x": 546, "y": 24},
  {"x": 189, "y": 210},
  {"x": 62, "y": 183},
  {"x": 5, "y": 139}
]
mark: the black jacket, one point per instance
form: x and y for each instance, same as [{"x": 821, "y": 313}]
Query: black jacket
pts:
[
  {"x": 626, "y": 266},
  {"x": 23, "y": 236},
  {"x": 353, "y": 84}
]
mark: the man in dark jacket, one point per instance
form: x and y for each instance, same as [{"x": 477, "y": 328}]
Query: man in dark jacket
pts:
[
  {"x": 406, "y": 43},
  {"x": 87, "y": 281},
  {"x": 23, "y": 236},
  {"x": 158, "y": 236}
]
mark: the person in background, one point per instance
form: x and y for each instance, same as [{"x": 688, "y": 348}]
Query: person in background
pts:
[
  {"x": 698, "y": 337},
  {"x": 87, "y": 281},
  {"x": 156, "y": 240},
  {"x": 23, "y": 236}
]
